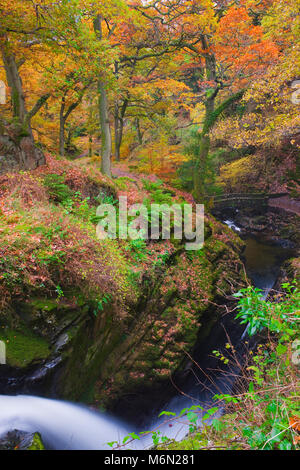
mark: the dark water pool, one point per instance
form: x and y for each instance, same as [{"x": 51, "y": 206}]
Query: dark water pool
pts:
[{"x": 263, "y": 261}]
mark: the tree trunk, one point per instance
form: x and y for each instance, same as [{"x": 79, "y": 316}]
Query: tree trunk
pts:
[
  {"x": 62, "y": 122},
  {"x": 138, "y": 131},
  {"x": 119, "y": 126},
  {"x": 105, "y": 130},
  {"x": 118, "y": 142},
  {"x": 15, "y": 83},
  {"x": 117, "y": 132},
  {"x": 90, "y": 146},
  {"x": 63, "y": 117},
  {"x": 203, "y": 153},
  {"x": 204, "y": 141},
  {"x": 200, "y": 168},
  {"x": 17, "y": 148},
  {"x": 103, "y": 113}
]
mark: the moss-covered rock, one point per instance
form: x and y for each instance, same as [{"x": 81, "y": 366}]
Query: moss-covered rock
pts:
[
  {"x": 115, "y": 317},
  {"x": 23, "y": 346},
  {"x": 37, "y": 443},
  {"x": 21, "y": 440},
  {"x": 176, "y": 313}
]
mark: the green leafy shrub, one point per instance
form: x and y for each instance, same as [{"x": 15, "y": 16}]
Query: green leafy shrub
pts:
[
  {"x": 260, "y": 314},
  {"x": 267, "y": 412},
  {"x": 139, "y": 249},
  {"x": 57, "y": 189}
]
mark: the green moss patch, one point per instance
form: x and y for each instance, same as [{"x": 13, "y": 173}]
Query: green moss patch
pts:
[
  {"x": 22, "y": 347},
  {"x": 37, "y": 443}
]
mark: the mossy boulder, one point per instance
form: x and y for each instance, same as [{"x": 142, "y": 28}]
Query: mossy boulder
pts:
[
  {"x": 23, "y": 346},
  {"x": 21, "y": 440}
]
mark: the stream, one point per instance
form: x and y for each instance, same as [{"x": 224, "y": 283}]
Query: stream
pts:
[{"x": 65, "y": 425}]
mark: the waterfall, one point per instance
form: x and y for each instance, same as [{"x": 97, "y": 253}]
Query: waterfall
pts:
[{"x": 63, "y": 425}]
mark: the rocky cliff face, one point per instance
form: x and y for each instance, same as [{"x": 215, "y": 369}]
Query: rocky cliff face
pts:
[
  {"x": 18, "y": 150},
  {"x": 87, "y": 321},
  {"x": 64, "y": 349},
  {"x": 180, "y": 305}
]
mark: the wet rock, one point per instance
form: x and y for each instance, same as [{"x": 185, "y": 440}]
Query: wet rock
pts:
[
  {"x": 283, "y": 243},
  {"x": 21, "y": 440},
  {"x": 19, "y": 152}
]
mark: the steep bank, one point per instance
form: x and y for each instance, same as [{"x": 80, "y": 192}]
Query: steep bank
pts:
[
  {"x": 217, "y": 377},
  {"x": 85, "y": 320}
]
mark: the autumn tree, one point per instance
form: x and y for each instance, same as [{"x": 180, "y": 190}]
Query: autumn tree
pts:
[
  {"x": 28, "y": 27},
  {"x": 17, "y": 36},
  {"x": 232, "y": 52},
  {"x": 143, "y": 32},
  {"x": 273, "y": 114},
  {"x": 69, "y": 78}
]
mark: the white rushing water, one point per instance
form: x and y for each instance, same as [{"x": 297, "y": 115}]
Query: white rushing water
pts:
[
  {"x": 232, "y": 225},
  {"x": 63, "y": 425},
  {"x": 69, "y": 426}
]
